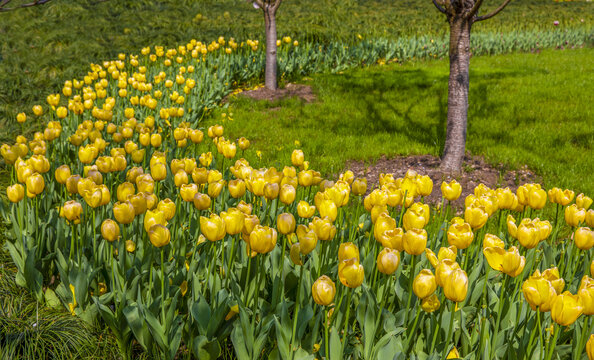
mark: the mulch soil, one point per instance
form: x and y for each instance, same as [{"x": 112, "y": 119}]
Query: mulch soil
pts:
[{"x": 475, "y": 171}]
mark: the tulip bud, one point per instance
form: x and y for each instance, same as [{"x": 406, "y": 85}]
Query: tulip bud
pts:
[
  {"x": 348, "y": 250},
  {"x": 388, "y": 261},
  {"x": 212, "y": 228},
  {"x": 323, "y": 228},
  {"x": 424, "y": 185},
  {"x": 538, "y": 292},
  {"x": 476, "y": 216},
  {"x": 297, "y": 157},
  {"x": 460, "y": 234},
  {"x": 234, "y": 221},
  {"x": 456, "y": 286},
  {"x": 285, "y": 223},
  {"x": 574, "y": 215},
  {"x": 304, "y": 210},
  {"x": 566, "y": 309},
  {"x": 72, "y": 211},
  {"x": 243, "y": 143},
  {"x": 35, "y": 184},
  {"x": 123, "y": 212},
  {"x": 415, "y": 241},
  {"x": 159, "y": 235},
  {"x": 167, "y": 207},
  {"x": 351, "y": 273},
  {"x": 584, "y": 238},
  {"x": 583, "y": 202},
  {"x": 424, "y": 284},
  {"x": 110, "y": 230},
  {"x": 263, "y": 239},
  {"x": 451, "y": 191},
  {"x": 359, "y": 186},
  {"x": 15, "y": 193},
  {"x": 323, "y": 291},
  {"x": 307, "y": 239},
  {"x": 287, "y": 194}
]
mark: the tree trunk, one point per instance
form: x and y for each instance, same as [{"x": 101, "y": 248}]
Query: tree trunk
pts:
[
  {"x": 270, "y": 74},
  {"x": 455, "y": 143}
]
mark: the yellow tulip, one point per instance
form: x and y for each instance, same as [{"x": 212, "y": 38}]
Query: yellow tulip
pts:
[
  {"x": 544, "y": 228},
  {"x": 589, "y": 218},
  {"x": 323, "y": 291},
  {"x": 552, "y": 276},
  {"x": 383, "y": 223},
  {"x": 590, "y": 347},
  {"x": 72, "y": 184},
  {"x": 287, "y": 194},
  {"x": 505, "y": 198},
  {"x": 388, "y": 261},
  {"x": 153, "y": 218},
  {"x": 566, "y": 309},
  {"x": 271, "y": 191},
  {"x": 158, "y": 171},
  {"x": 187, "y": 192},
  {"x": 62, "y": 174},
  {"x": 123, "y": 212},
  {"x": 201, "y": 201},
  {"x": 234, "y": 221},
  {"x": 124, "y": 190},
  {"x": 562, "y": 197},
  {"x": 451, "y": 191},
  {"x": 180, "y": 178},
  {"x": 537, "y": 198},
  {"x": 584, "y": 238},
  {"x": 359, "y": 186},
  {"x": 304, "y": 210},
  {"x": 305, "y": 177},
  {"x": 528, "y": 234},
  {"x": 453, "y": 354},
  {"x": 243, "y": 143},
  {"x": 424, "y": 284},
  {"x": 538, "y": 292},
  {"x": 351, "y": 273},
  {"x": 456, "y": 285},
  {"x": 348, "y": 250},
  {"x": 393, "y": 239},
  {"x": 476, "y": 216},
  {"x": 167, "y": 207},
  {"x": 416, "y": 216},
  {"x": 212, "y": 228},
  {"x": 586, "y": 295},
  {"x": 583, "y": 202},
  {"x": 130, "y": 246},
  {"x": 460, "y": 234},
  {"x": 35, "y": 184},
  {"x": 394, "y": 194},
  {"x": 297, "y": 157},
  {"x": 245, "y": 207},
  {"x": 159, "y": 235},
  {"x": 200, "y": 176},
  {"x": 430, "y": 303},
  {"x": 574, "y": 215},
  {"x": 323, "y": 228},
  {"x": 263, "y": 239},
  {"x": 307, "y": 239},
  {"x": 295, "y": 254},
  {"x": 72, "y": 211},
  {"x": 447, "y": 253},
  {"x": 328, "y": 209},
  {"x": 15, "y": 193},
  {"x": 415, "y": 241},
  {"x": 443, "y": 270},
  {"x": 509, "y": 262},
  {"x": 285, "y": 223},
  {"x": 215, "y": 188}
]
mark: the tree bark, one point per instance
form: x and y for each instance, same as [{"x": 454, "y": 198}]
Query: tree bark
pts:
[
  {"x": 455, "y": 142},
  {"x": 270, "y": 74}
]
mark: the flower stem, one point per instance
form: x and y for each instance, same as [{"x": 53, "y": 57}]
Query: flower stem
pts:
[
  {"x": 346, "y": 320},
  {"x": 296, "y": 315}
]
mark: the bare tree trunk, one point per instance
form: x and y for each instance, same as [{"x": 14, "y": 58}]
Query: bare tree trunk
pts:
[
  {"x": 270, "y": 74},
  {"x": 453, "y": 152}
]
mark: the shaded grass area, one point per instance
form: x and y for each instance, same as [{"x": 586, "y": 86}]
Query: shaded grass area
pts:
[{"x": 525, "y": 109}]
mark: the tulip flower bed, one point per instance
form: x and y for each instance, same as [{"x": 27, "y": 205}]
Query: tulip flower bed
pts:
[{"x": 161, "y": 231}]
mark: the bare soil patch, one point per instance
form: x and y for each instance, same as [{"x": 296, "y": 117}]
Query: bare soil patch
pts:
[
  {"x": 475, "y": 171},
  {"x": 300, "y": 91}
]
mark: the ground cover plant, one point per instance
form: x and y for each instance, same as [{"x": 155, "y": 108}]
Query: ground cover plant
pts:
[{"x": 158, "y": 228}]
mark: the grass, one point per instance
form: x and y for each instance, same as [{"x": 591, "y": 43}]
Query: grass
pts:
[
  {"x": 525, "y": 109},
  {"x": 41, "y": 47}
]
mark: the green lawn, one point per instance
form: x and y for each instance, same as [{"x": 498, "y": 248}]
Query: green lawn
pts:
[
  {"x": 43, "y": 46},
  {"x": 525, "y": 109}
]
